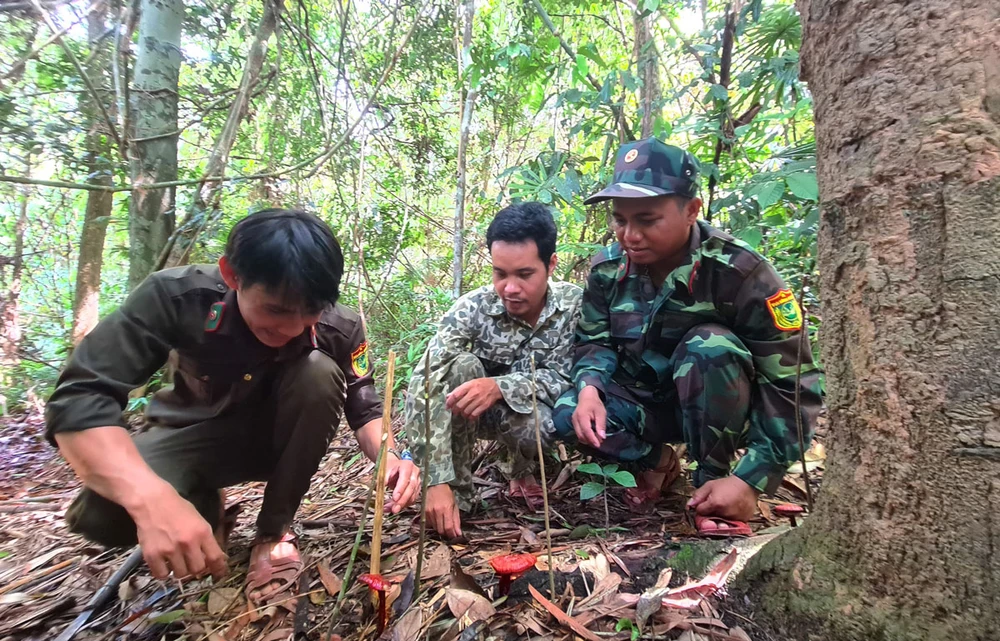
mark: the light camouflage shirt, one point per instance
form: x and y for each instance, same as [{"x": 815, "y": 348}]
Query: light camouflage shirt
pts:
[{"x": 479, "y": 324}]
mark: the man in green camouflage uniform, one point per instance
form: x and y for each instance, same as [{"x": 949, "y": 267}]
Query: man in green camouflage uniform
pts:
[
  {"x": 686, "y": 334},
  {"x": 480, "y": 363}
]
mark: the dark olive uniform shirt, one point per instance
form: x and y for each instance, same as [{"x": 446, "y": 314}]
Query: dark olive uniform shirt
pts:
[{"x": 187, "y": 316}]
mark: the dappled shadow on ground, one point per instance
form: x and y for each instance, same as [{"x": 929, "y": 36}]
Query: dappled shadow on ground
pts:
[{"x": 47, "y": 575}]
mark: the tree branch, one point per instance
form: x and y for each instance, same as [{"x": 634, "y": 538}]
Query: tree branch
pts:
[
  {"x": 112, "y": 129},
  {"x": 615, "y": 109}
]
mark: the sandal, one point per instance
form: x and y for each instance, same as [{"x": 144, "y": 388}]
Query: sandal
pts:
[
  {"x": 731, "y": 529},
  {"x": 642, "y": 499},
  {"x": 265, "y": 571}
]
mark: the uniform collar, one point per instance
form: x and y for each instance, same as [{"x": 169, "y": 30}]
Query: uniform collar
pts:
[
  {"x": 234, "y": 326},
  {"x": 684, "y": 272}
]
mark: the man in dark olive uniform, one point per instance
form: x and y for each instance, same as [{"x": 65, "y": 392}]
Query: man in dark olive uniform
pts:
[{"x": 264, "y": 362}]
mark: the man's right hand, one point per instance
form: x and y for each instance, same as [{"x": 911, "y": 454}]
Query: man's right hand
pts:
[
  {"x": 174, "y": 537},
  {"x": 442, "y": 511},
  {"x": 589, "y": 417}
]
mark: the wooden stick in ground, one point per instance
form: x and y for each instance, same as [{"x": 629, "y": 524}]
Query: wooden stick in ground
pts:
[
  {"x": 803, "y": 334},
  {"x": 357, "y": 540},
  {"x": 375, "y": 567},
  {"x": 425, "y": 479},
  {"x": 541, "y": 470}
]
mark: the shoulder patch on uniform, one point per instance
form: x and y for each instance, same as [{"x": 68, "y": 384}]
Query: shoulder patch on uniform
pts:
[
  {"x": 214, "y": 318},
  {"x": 785, "y": 311},
  {"x": 359, "y": 360}
]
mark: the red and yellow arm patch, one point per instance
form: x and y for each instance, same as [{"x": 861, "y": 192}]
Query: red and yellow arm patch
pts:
[
  {"x": 360, "y": 362},
  {"x": 785, "y": 311}
]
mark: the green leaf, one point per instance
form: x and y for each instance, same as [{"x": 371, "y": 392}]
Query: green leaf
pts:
[
  {"x": 610, "y": 469},
  {"x": 649, "y": 6},
  {"x": 590, "y": 51},
  {"x": 4, "y": 554},
  {"x": 591, "y": 468},
  {"x": 769, "y": 193},
  {"x": 718, "y": 92},
  {"x": 623, "y": 624},
  {"x": 581, "y": 66},
  {"x": 590, "y": 490},
  {"x": 169, "y": 617},
  {"x": 623, "y": 478},
  {"x": 751, "y": 236},
  {"x": 803, "y": 185}
]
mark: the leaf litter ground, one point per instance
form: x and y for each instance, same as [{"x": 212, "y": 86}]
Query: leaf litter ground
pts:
[{"x": 610, "y": 583}]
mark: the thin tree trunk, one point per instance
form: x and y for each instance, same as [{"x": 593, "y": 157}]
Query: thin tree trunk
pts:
[
  {"x": 153, "y": 151},
  {"x": 468, "y": 11},
  {"x": 725, "y": 65},
  {"x": 647, "y": 68},
  {"x": 10, "y": 330},
  {"x": 206, "y": 201},
  {"x": 99, "y": 169},
  {"x": 905, "y": 542}
]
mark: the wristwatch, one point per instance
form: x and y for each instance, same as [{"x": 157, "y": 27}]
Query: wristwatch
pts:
[{"x": 405, "y": 456}]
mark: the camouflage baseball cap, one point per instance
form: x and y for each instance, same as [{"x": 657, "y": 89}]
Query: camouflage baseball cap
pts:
[{"x": 649, "y": 167}]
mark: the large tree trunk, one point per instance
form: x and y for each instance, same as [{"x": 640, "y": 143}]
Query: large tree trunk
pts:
[
  {"x": 468, "y": 12},
  {"x": 153, "y": 151},
  {"x": 905, "y": 542},
  {"x": 206, "y": 199},
  {"x": 98, "y": 160}
]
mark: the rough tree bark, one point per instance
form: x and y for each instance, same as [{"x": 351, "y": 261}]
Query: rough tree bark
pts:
[
  {"x": 153, "y": 148},
  {"x": 98, "y": 160},
  {"x": 905, "y": 542},
  {"x": 647, "y": 67},
  {"x": 206, "y": 199},
  {"x": 468, "y": 12}
]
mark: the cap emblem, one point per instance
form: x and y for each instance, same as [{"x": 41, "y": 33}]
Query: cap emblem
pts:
[{"x": 631, "y": 155}]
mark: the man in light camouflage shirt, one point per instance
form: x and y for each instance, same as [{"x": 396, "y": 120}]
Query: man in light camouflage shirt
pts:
[{"x": 480, "y": 363}]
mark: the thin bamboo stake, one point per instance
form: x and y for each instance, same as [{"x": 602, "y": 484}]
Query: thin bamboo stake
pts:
[
  {"x": 541, "y": 469},
  {"x": 803, "y": 333},
  {"x": 425, "y": 479},
  {"x": 375, "y": 566}
]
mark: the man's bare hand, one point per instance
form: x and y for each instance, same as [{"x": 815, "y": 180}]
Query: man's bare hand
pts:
[
  {"x": 590, "y": 418},
  {"x": 442, "y": 511},
  {"x": 175, "y": 538},
  {"x": 730, "y": 498},
  {"x": 474, "y": 397},
  {"x": 404, "y": 479}
]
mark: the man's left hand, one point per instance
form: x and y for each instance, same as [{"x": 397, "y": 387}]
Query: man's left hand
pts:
[
  {"x": 404, "y": 479},
  {"x": 730, "y": 498},
  {"x": 473, "y": 398}
]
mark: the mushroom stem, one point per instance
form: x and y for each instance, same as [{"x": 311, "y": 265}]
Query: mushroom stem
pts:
[
  {"x": 504, "y": 587},
  {"x": 382, "y": 618},
  {"x": 792, "y": 518}
]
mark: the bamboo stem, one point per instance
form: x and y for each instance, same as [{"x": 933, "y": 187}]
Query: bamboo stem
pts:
[
  {"x": 426, "y": 478},
  {"x": 375, "y": 565},
  {"x": 541, "y": 470}
]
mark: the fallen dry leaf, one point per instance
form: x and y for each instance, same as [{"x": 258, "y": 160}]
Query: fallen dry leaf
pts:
[
  {"x": 437, "y": 563},
  {"x": 607, "y": 585},
  {"x": 739, "y": 633},
  {"x": 463, "y": 581},
  {"x": 597, "y": 566},
  {"x": 562, "y": 617},
  {"x": 529, "y": 537},
  {"x": 691, "y": 594},
  {"x": 330, "y": 581},
  {"x": 408, "y": 627},
  {"x": 663, "y": 581},
  {"x": 648, "y": 604},
  {"x": 468, "y": 607},
  {"x": 220, "y": 599}
]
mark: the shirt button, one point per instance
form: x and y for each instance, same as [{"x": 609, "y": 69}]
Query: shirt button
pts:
[
  {"x": 247, "y": 377},
  {"x": 221, "y": 287}
]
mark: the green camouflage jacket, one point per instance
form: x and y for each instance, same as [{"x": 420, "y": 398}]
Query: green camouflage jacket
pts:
[
  {"x": 628, "y": 331},
  {"x": 478, "y": 323}
]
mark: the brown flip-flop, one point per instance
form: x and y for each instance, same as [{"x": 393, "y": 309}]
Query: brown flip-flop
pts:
[{"x": 265, "y": 571}]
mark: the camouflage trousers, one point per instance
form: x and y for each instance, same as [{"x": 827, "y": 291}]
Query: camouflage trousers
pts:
[
  {"x": 706, "y": 407},
  {"x": 453, "y": 438}
]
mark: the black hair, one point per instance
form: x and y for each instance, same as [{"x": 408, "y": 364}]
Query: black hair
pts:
[
  {"x": 523, "y": 222},
  {"x": 288, "y": 251}
]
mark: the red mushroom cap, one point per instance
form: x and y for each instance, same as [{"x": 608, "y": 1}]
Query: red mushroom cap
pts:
[
  {"x": 375, "y": 582},
  {"x": 512, "y": 563},
  {"x": 788, "y": 509}
]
